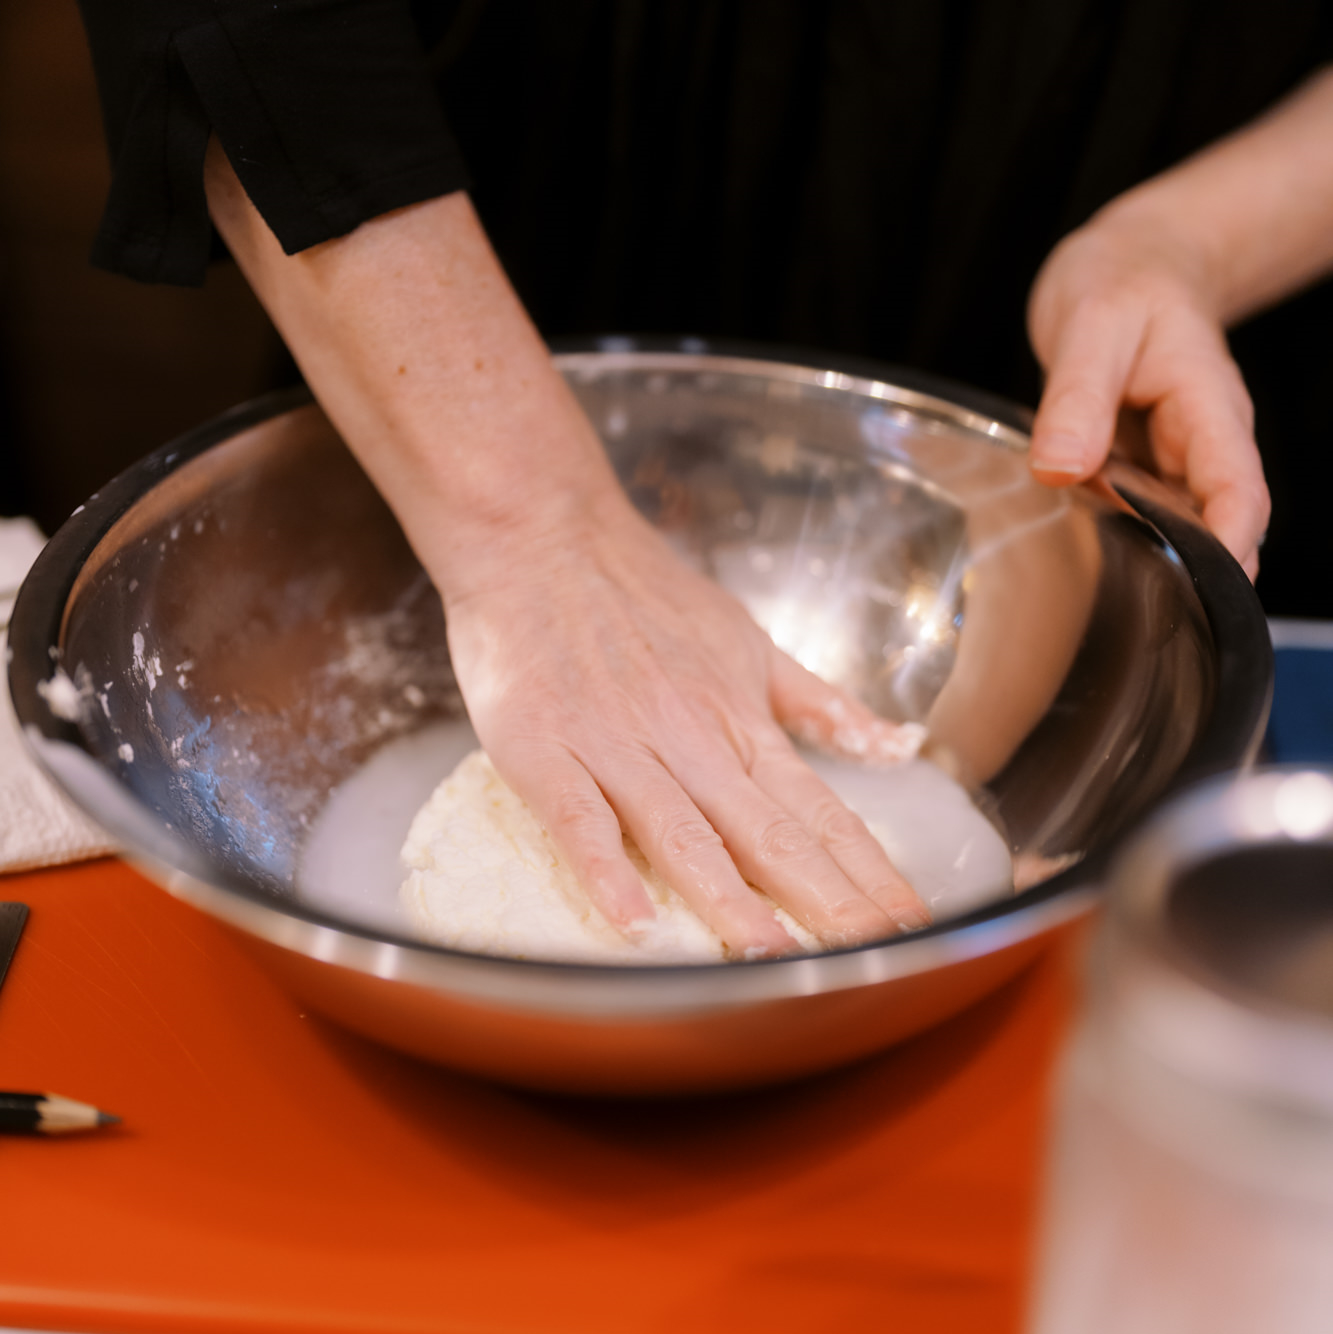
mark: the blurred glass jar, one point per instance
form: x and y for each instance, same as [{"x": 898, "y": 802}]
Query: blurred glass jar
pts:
[{"x": 1190, "y": 1182}]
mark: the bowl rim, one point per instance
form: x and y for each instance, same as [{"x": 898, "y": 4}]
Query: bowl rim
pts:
[{"x": 1228, "y": 739}]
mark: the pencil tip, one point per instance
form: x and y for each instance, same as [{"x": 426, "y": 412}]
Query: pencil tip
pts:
[{"x": 106, "y": 1119}]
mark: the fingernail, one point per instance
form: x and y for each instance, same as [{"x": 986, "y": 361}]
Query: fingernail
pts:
[
  {"x": 912, "y": 919},
  {"x": 637, "y": 931},
  {"x": 1061, "y": 455},
  {"x": 753, "y": 952}
]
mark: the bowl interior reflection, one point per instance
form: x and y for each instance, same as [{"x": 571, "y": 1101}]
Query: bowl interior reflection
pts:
[{"x": 255, "y": 627}]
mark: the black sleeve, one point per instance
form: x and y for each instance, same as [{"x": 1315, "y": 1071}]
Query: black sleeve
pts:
[{"x": 324, "y": 107}]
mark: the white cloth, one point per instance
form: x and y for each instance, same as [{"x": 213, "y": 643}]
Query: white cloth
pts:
[{"x": 39, "y": 826}]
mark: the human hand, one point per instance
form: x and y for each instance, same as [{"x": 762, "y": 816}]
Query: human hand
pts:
[
  {"x": 615, "y": 688},
  {"x": 612, "y": 686},
  {"x": 1121, "y": 315}
]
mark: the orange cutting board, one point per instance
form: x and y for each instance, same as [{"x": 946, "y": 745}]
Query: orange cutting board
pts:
[{"x": 274, "y": 1173}]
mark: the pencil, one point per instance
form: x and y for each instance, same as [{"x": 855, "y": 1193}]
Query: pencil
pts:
[{"x": 48, "y": 1114}]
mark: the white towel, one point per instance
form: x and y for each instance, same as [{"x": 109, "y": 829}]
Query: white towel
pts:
[{"x": 39, "y": 826}]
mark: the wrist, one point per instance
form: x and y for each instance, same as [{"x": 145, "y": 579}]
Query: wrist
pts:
[
  {"x": 1131, "y": 256},
  {"x": 467, "y": 547},
  {"x": 483, "y": 486},
  {"x": 1156, "y": 230}
]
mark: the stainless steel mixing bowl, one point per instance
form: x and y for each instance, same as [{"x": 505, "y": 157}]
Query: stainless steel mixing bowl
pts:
[{"x": 243, "y": 625}]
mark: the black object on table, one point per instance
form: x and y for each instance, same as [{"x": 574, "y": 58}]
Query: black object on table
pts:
[
  {"x": 48, "y": 1114},
  {"x": 12, "y": 918},
  {"x": 38, "y": 1113}
]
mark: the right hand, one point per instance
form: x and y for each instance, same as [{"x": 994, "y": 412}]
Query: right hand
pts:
[{"x": 1121, "y": 315}]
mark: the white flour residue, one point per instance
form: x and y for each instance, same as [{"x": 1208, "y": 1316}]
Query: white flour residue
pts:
[
  {"x": 62, "y": 696},
  {"x": 148, "y": 669},
  {"x": 875, "y": 741}
]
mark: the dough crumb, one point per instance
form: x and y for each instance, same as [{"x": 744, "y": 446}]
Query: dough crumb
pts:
[{"x": 62, "y": 696}]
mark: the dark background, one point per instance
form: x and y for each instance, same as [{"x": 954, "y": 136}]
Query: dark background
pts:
[{"x": 96, "y": 370}]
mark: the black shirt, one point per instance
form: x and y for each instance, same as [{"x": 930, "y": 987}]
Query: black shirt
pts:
[
  {"x": 325, "y": 108},
  {"x": 876, "y": 178}
]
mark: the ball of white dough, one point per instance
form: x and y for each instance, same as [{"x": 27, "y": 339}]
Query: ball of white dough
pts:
[{"x": 485, "y": 876}]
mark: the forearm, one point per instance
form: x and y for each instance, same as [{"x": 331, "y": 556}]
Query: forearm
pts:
[
  {"x": 618, "y": 690},
  {"x": 1254, "y": 211},
  {"x": 413, "y": 341}
]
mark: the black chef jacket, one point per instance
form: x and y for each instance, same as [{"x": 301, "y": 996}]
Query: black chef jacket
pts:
[{"x": 882, "y": 178}]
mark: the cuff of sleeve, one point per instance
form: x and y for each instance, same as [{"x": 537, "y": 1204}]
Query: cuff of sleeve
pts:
[{"x": 324, "y": 108}]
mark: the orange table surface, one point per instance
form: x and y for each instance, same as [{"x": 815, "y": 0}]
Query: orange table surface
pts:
[{"x": 275, "y": 1173}]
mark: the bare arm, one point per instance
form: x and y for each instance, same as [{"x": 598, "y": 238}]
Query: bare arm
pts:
[
  {"x": 1131, "y": 308},
  {"x": 614, "y": 688}
]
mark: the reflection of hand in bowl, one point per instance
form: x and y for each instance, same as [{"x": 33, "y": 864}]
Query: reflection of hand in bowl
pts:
[
  {"x": 1031, "y": 570},
  {"x": 257, "y": 553}
]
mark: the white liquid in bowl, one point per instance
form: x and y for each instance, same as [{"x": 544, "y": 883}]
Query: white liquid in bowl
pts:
[{"x": 350, "y": 867}]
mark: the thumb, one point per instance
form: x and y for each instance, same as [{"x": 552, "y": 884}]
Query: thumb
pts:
[{"x": 1076, "y": 419}]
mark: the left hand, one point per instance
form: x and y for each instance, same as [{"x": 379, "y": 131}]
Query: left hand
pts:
[
  {"x": 619, "y": 690},
  {"x": 1121, "y": 315}
]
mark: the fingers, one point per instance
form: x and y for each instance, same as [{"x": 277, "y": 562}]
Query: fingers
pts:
[
  {"x": 1202, "y": 430},
  {"x": 565, "y": 799},
  {"x": 1237, "y": 512},
  {"x": 778, "y": 852},
  {"x": 690, "y": 855},
  {"x": 712, "y": 832},
  {"x": 824, "y": 717},
  {"x": 1076, "y": 418},
  {"x": 841, "y": 832},
  {"x": 1173, "y": 360},
  {"x": 585, "y": 816}
]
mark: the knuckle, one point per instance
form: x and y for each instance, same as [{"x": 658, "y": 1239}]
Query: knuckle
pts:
[
  {"x": 836, "y": 824},
  {"x": 1077, "y": 401},
  {"x": 1100, "y": 306},
  {"x": 582, "y": 812},
  {"x": 855, "y": 917},
  {"x": 767, "y": 741},
  {"x": 771, "y": 749},
  {"x": 781, "y": 840},
  {"x": 596, "y": 866},
  {"x": 688, "y": 836},
  {"x": 610, "y": 880},
  {"x": 743, "y": 744}
]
